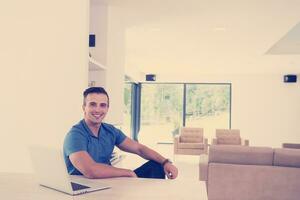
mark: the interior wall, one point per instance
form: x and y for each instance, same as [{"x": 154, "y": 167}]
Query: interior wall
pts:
[
  {"x": 98, "y": 26},
  {"x": 43, "y": 71},
  {"x": 115, "y": 66},
  {"x": 265, "y": 109}
]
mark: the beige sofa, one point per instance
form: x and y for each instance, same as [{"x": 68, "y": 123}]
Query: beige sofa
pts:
[
  {"x": 190, "y": 141},
  {"x": 251, "y": 173}
]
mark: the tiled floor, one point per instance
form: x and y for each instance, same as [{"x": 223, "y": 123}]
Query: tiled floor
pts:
[{"x": 188, "y": 165}]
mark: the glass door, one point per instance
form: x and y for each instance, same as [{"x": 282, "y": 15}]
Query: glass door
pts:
[
  {"x": 208, "y": 107},
  {"x": 127, "y": 109},
  {"x": 161, "y": 112}
]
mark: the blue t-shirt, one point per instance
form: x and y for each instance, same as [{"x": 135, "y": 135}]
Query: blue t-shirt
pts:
[{"x": 81, "y": 138}]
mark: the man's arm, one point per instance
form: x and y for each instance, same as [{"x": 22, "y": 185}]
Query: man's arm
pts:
[
  {"x": 145, "y": 152},
  {"x": 90, "y": 169}
]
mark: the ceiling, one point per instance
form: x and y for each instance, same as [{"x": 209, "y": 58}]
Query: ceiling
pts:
[{"x": 211, "y": 36}]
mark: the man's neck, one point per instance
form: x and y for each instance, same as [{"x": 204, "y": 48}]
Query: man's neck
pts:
[{"x": 93, "y": 127}]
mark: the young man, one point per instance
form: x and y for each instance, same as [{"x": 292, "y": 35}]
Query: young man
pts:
[{"x": 89, "y": 144}]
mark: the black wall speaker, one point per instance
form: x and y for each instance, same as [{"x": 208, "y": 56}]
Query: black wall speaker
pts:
[
  {"x": 150, "y": 77},
  {"x": 92, "y": 40},
  {"x": 290, "y": 78}
]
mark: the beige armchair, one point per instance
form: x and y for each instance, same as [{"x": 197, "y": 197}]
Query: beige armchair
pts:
[
  {"x": 229, "y": 137},
  {"x": 190, "y": 141}
]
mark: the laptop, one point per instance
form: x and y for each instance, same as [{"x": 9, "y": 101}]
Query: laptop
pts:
[{"x": 51, "y": 172}]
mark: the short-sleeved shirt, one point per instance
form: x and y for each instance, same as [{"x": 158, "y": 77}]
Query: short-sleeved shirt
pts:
[{"x": 81, "y": 138}]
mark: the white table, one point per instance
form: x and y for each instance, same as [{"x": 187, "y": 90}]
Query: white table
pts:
[{"x": 15, "y": 186}]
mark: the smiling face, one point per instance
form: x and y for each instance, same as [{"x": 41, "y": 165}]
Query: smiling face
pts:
[{"x": 95, "y": 108}]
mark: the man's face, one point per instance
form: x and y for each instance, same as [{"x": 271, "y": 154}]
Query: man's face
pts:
[{"x": 95, "y": 108}]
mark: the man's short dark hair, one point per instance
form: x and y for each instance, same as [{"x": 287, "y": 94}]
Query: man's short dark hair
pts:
[{"x": 98, "y": 90}]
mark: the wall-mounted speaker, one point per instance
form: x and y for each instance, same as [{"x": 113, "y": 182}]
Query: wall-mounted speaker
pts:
[
  {"x": 150, "y": 77},
  {"x": 92, "y": 40},
  {"x": 290, "y": 78}
]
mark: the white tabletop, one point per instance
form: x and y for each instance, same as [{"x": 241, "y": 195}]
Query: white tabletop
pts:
[{"x": 15, "y": 186}]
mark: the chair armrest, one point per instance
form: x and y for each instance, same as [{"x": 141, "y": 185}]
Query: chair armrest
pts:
[
  {"x": 245, "y": 142},
  {"x": 203, "y": 167},
  {"x": 214, "y": 141},
  {"x": 205, "y": 141},
  {"x": 205, "y": 145},
  {"x": 176, "y": 141}
]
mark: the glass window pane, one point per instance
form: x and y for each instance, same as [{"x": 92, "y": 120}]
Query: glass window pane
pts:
[
  {"x": 208, "y": 107},
  {"x": 126, "y": 126},
  {"x": 161, "y": 112}
]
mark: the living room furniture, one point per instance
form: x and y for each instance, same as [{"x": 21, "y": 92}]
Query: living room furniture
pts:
[
  {"x": 291, "y": 145},
  {"x": 17, "y": 186},
  {"x": 190, "y": 141},
  {"x": 252, "y": 173},
  {"x": 229, "y": 136}
]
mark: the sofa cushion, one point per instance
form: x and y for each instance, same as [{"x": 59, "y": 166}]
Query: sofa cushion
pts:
[
  {"x": 191, "y": 145},
  {"x": 231, "y": 132},
  {"x": 229, "y": 140},
  {"x": 228, "y": 136},
  {"x": 191, "y": 135},
  {"x": 241, "y": 155},
  {"x": 287, "y": 157},
  {"x": 252, "y": 182},
  {"x": 192, "y": 139}
]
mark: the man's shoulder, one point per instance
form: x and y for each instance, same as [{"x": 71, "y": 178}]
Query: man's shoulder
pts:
[
  {"x": 114, "y": 132},
  {"x": 109, "y": 127},
  {"x": 78, "y": 128}
]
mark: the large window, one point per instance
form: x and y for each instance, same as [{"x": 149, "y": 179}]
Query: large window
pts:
[
  {"x": 127, "y": 111},
  {"x": 161, "y": 112},
  {"x": 208, "y": 107},
  {"x": 164, "y": 108}
]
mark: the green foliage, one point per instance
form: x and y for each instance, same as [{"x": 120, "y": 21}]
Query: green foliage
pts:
[
  {"x": 163, "y": 103},
  {"x": 127, "y": 98},
  {"x": 207, "y": 99}
]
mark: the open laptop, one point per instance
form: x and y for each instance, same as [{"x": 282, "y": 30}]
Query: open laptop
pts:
[{"x": 51, "y": 172}]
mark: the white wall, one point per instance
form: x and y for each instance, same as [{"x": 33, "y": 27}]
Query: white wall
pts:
[
  {"x": 265, "y": 109},
  {"x": 109, "y": 51},
  {"x": 98, "y": 26},
  {"x": 43, "y": 71},
  {"x": 115, "y": 66}
]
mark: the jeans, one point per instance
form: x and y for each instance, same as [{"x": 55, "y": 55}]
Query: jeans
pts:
[{"x": 150, "y": 169}]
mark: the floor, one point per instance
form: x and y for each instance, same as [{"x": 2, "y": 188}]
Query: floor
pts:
[{"x": 188, "y": 165}]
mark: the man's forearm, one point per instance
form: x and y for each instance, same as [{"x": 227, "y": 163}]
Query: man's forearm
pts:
[
  {"x": 98, "y": 170},
  {"x": 150, "y": 154}
]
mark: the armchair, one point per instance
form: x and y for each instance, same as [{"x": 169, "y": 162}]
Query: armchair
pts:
[
  {"x": 229, "y": 137},
  {"x": 190, "y": 141}
]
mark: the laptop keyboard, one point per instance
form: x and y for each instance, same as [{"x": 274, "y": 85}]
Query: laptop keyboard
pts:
[{"x": 76, "y": 186}]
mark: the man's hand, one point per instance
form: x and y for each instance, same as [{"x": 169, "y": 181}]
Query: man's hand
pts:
[
  {"x": 145, "y": 152},
  {"x": 170, "y": 170},
  {"x": 131, "y": 174}
]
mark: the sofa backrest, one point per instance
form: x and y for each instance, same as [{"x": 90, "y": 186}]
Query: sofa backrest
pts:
[
  {"x": 246, "y": 155},
  {"x": 191, "y": 135},
  {"x": 287, "y": 157},
  {"x": 220, "y": 132},
  {"x": 228, "y": 136},
  {"x": 291, "y": 145}
]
